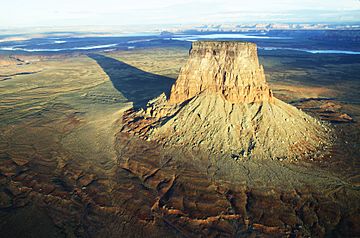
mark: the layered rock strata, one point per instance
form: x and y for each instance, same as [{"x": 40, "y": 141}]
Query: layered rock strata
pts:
[
  {"x": 230, "y": 69},
  {"x": 221, "y": 103}
]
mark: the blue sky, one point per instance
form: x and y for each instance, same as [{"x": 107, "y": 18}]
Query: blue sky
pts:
[{"x": 28, "y": 13}]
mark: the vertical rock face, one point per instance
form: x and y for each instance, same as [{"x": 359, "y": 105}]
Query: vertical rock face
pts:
[
  {"x": 228, "y": 68},
  {"x": 221, "y": 103}
]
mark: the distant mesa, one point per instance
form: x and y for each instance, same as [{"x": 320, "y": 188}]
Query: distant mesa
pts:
[
  {"x": 166, "y": 34},
  {"x": 222, "y": 104}
]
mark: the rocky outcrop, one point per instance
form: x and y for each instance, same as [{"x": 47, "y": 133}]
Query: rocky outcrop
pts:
[
  {"x": 228, "y": 68},
  {"x": 6, "y": 61},
  {"x": 221, "y": 103}
]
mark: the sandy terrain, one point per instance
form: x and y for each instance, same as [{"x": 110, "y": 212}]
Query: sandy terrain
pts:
[{"x": 64, "y": 165}]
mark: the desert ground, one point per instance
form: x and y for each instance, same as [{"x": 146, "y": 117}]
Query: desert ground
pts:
[{"x": 66, "y": 170}]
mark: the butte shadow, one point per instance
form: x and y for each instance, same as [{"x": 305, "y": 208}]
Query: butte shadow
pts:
[{"x": 136, "y": 85}]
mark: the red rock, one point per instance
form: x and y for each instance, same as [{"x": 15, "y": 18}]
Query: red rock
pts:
[
  {"x": 345, "y": 117},
  {"x": 20, "y": 161}
]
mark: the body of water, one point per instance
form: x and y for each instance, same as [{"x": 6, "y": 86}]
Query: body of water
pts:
[
  {"x": 111, "y": 43},
  {"x": 347, "y": 52}
]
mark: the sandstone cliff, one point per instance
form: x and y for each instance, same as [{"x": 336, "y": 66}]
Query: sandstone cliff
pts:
[
  {"x": 221, "y": 103},
  {"x": 229, "y": 68}
]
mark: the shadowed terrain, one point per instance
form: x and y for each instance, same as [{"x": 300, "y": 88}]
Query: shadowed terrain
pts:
[
  {"x": 136, "y": 85},
  {"x": 67, "y": 171}
]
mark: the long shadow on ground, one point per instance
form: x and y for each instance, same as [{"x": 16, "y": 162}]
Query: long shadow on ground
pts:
[{"x": 136, "y": 85}]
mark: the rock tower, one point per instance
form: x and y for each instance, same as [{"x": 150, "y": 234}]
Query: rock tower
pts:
[
  {"x": 231, "y": 69},
  {"x": 221, "y": 104}
]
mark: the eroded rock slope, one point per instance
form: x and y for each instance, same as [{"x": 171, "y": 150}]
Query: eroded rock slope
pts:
[{"x": 221, "y": 103}]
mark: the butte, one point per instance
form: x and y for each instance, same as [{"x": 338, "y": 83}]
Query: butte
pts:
[{"x": 222, "y": 104}]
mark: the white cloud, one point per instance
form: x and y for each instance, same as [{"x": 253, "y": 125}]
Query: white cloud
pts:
[{"x": 115, "y": 12}]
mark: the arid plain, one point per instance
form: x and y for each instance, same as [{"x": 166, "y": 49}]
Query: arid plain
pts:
[{"x": 68, "y": 171}]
